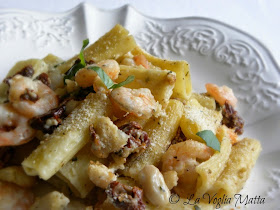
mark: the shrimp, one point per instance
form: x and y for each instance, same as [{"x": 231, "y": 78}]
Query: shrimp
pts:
[
  {"x": 183, "y": 158},
  {"x": 139, "y": 102},
  {"x": 14, "y": 128},
  {"x": 221, "y": 94},
  {"x": 31, "y": 98},
  {"x": 85, "y": 77},
  {"x": 141, "y": 60},
  {"x": 111, "y": 68},
  {"x": 170, "y": 178},
  {"x": 15, "y": 197}
]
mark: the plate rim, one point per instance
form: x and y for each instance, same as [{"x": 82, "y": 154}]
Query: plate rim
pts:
[{"x": 127, "y": 7}]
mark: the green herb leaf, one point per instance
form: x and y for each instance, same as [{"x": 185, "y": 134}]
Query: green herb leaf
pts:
[
  {"x": 79, "y": 64},
  {"x": 82, "y": 58},
  {"x": 129, "y": 79},
  {"x": 107, "y": 80},
  {"x": 210, "y": 139},
  {"x": 70, "y": 74},
  {"x": 196, "y": 207},
  {"x": 103, "y": 76}
]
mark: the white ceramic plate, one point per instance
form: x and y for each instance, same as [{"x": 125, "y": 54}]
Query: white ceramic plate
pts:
[{"x": 217, "y": 53}]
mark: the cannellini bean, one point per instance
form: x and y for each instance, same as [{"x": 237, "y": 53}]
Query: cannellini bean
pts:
[{"x": 155, "y": 189}]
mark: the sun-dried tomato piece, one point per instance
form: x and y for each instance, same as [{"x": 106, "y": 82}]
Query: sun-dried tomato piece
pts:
[
  {"x": 27, "y": 71},
  {"x": 125, "y": 197},
  {"x": 49, "y": 121},
  {"x": 231, "y": 119},
  {"x": 138, "y": 139},
  {"x": 94, "y": 138},
  {"x": 44, "y": 78}
]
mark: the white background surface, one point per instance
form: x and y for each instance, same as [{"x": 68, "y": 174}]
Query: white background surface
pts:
[{"x": 259, "y": 18}]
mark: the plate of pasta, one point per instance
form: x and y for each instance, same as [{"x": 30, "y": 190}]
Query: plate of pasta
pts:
[{"x": 116, "y": 110}]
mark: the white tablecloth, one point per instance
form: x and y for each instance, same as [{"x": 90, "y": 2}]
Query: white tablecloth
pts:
[{"x": 259, "y": 18}]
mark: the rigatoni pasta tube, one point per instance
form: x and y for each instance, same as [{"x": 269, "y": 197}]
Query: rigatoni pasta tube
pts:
[
  {"x": 67, "y": 139},
  {"x": 183, "y": 85},
  {"x": 161, "y": 131},
  {"x": 241, "y": 161},
  {"x": 160, "y": 82},
  {"x": 211, "y": 169},
  {"x": 197, "y": 118},
  {"x": 74, "y": 173},
  {"x": 112, "y": 45}
]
